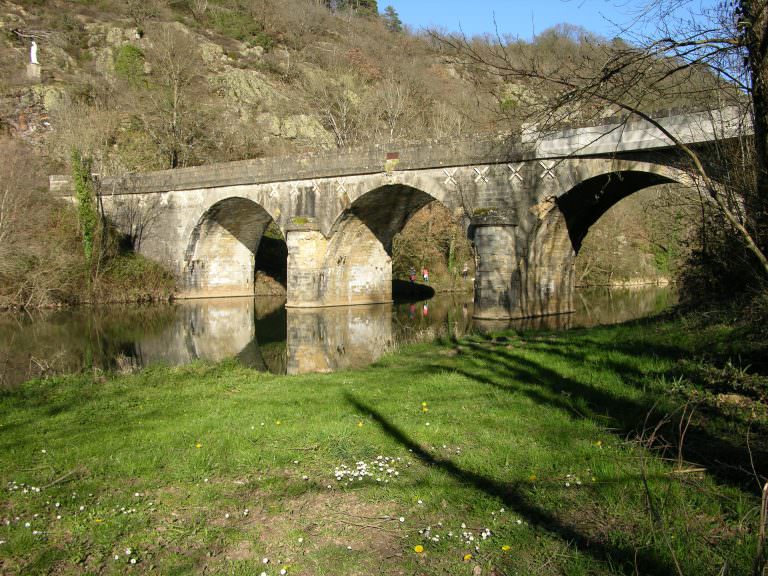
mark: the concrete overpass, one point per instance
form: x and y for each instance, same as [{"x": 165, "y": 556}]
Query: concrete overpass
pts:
[{"x": 527, "y": 202}]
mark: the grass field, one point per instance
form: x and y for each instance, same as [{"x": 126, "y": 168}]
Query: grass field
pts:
[{"x": 635, "y": 449}]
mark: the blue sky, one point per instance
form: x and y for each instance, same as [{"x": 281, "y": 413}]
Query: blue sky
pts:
[{"x": 518, "y": 17}]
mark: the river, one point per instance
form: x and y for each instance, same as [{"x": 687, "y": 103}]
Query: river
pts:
[{"x": 261, "y": 333}]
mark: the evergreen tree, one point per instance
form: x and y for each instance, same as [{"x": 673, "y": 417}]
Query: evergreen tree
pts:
[
  {"x": 359, "y": 7},
  {"x": 392, "y": 20}
]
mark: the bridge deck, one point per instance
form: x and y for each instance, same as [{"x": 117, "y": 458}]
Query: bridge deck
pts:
[{"x": 607, "y": 139}]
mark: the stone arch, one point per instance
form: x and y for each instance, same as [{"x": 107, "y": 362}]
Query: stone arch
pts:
[
  {"x": 358, "y": 260},
  {"x": 547, "y": 273},
  {"x": 220, "y": 256}
]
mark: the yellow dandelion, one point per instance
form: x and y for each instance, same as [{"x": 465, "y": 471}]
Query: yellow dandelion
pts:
[
  {"x": 532, "y": 478},
  {"x": 599, "y": 443},
  {"x": 98, "y": 520},
  {"x": 360, "y": 424},
  {"x": 198, "y": 445},
  {"x": 424, "y": 404},
  {"x": 506, "y": 548},
  {"x": 419, "y": 549},
  {"x": 277, "y": 422},
  {"x": 425, "y": 409},
  {"x": 467, "y": 557}
]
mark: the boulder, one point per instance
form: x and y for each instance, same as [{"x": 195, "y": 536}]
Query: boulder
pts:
[
  {"x": 306, "y": 127},
  {"x": 247, "y": 87},
  {"x": 212, "y": 54},
  {"x": 268, "y": 124},
  {"x": 51, "y": 96}
]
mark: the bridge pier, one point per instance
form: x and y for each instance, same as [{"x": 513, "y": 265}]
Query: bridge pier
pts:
[
  {"x": 522, "y": 275},
  {"x": 548, "y": 269},
  {"x": 497, "y": 279},
  {"x": 350, "y": 268},
  {"x": 307, "y": 248}
]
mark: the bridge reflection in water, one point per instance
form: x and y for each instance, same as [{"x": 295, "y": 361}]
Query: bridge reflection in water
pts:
[
  {"x": 264, "y": 335},
  {"x": 260, "y": 333}
]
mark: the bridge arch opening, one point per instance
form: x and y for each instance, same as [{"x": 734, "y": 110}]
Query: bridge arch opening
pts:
[
  {"x": 358, "y": 263},
  {"x": 235, "y": 250},
  {"x": 584, "y": 204},
  {"x": 548, "y": 277}
]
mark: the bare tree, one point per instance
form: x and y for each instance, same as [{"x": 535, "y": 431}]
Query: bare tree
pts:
[
  {"x": 339, "y": 101},
  {"x": 135, "y": 217},
  {"x": 199, "y": 9},
  {"x": 446, "y": 122},
  {"x": 171, "y": 116},
  {"x": 14, "y": 199},
  {"x": 93, "y": 138},
  {"x": 141, "y": 12},
  {"x": 720, "y": 58},
  {"x": 39, "y": 256},
  {"x": 395, "y": 105}
]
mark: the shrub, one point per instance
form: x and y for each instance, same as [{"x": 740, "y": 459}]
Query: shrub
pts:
[{"x": 129, "y": 63}]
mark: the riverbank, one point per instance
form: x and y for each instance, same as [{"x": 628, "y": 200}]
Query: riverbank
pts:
[{"x": 609, "y": 450}]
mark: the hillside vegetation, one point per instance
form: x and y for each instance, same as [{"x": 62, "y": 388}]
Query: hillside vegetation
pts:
[{"x": 136, "y": 86}]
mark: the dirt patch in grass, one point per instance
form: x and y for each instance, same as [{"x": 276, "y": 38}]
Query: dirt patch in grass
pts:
[
  {"x": 596, "y": 523},
  {"x": 334, "y": 520},
  {"x": 242, "y": 550},
  {"x": 340, "y": 518},
  {"x": 307, "y": 533}
]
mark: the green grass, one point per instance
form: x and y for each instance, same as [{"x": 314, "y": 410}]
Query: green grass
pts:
[{"x": 547, "y": 440}]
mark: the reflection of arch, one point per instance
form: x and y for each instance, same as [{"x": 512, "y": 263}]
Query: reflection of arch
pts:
[
  {"x": 220, "y": 255},
  {"x": 358, "y": 265},
  {"x": 266, "y": 352},
  {"x": 547, "y": 277}
]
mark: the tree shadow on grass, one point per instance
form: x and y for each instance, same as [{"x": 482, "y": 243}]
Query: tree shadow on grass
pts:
[
  {"x": 728, "y": 458},
  {"x": 514, "y": 497}
]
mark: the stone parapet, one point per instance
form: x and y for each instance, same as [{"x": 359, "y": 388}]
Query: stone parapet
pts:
[
  {"x": 608, "y": 138},
  {"x": 372, "y": 160}
]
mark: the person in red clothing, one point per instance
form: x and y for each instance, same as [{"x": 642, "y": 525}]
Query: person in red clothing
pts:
[{"x": 425, "y": 275}]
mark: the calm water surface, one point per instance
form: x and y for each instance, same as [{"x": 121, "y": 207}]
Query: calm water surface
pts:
[{"x": 261, "y": 333}]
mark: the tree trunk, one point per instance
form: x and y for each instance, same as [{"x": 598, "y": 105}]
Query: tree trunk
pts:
[{"x": 754, "y": 22}]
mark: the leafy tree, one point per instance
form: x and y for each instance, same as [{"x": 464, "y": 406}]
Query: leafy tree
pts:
[
  {"x": 129, "y": 63},
  {"x": 88, "y": 216},
  {"x": 392, "y": 20}
]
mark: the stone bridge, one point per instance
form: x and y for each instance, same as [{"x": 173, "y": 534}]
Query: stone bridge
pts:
[{"x": 527, "y": 204}]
